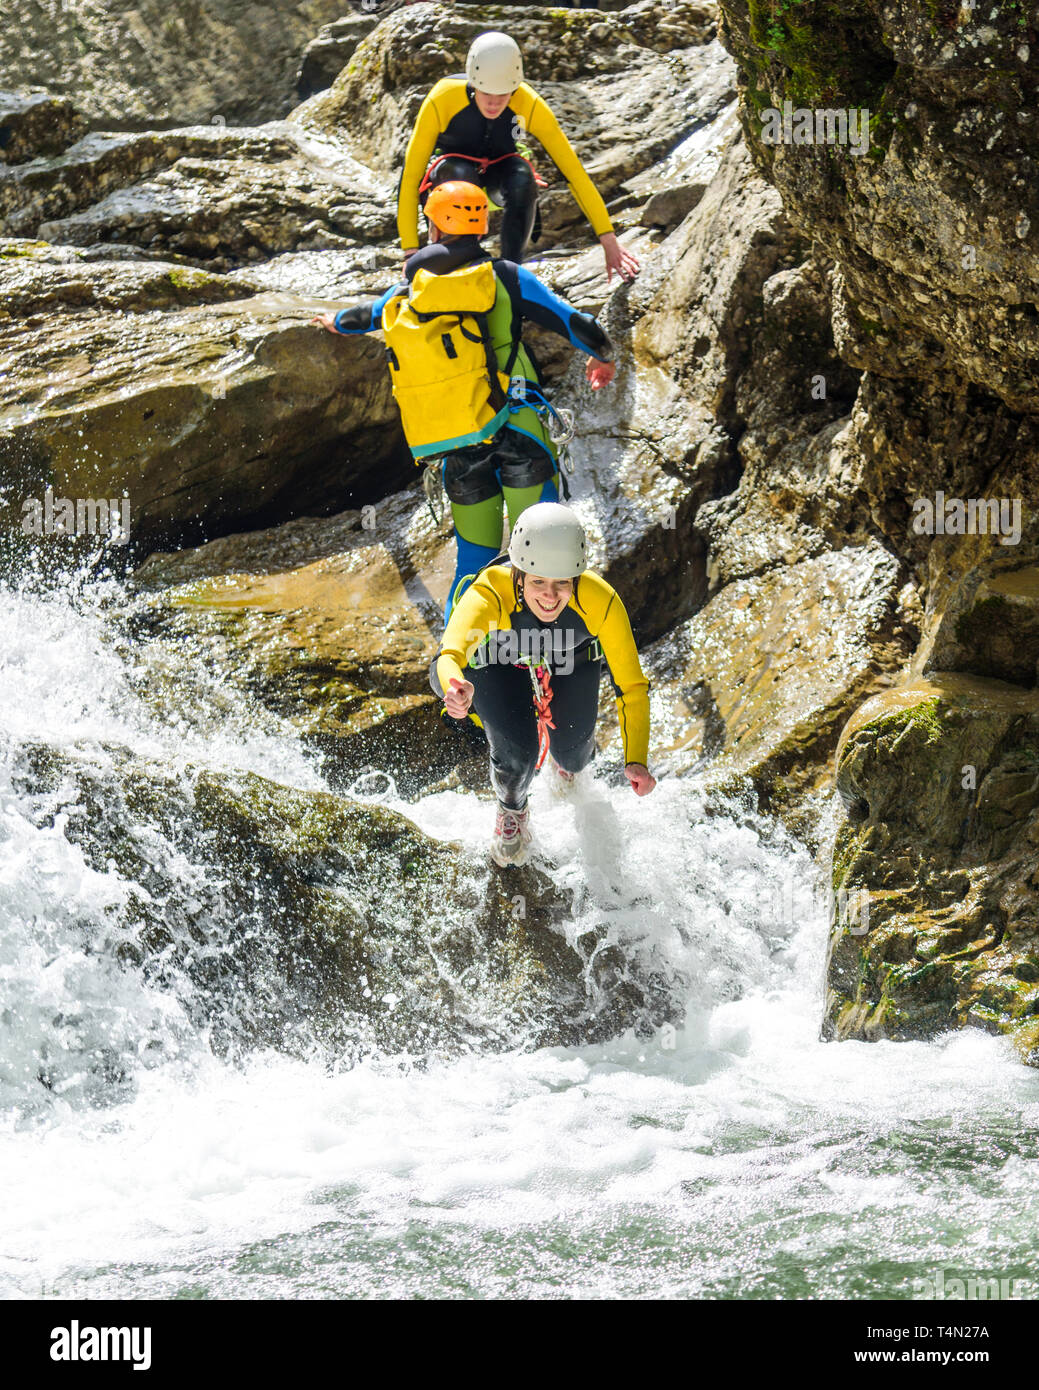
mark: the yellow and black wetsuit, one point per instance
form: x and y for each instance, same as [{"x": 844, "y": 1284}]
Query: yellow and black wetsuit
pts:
[
  {"x": 450, "y": 123},
  {"x": 491, "y": 629}
]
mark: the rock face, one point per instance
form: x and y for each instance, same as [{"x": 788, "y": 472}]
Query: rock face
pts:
[
  {"x": 933, "y": 235},
  {"x": 937, "y": 872},
  {"x": 201, "y": 402},
  {"x": 138, "y": 62},
  {"x": 936, "y": 228}
]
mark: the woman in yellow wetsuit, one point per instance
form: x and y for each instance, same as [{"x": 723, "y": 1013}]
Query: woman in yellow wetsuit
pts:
[
  {"x": 470, "y": 124},
  {"x": 525, "y": 646}
]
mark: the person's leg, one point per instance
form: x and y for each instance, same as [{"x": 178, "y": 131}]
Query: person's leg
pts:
[
  {"x": 528, "y": 474},
  {"x": 510, "y": 183},
  {"x": 454, "y": 167},
  {"x": 472, "y": 487},
  {"x": 502, "y": 699},
  {"x": 476, "y": 526},
  {"x": 574, "y": 710},
  {"x": 518, "y": 499}
]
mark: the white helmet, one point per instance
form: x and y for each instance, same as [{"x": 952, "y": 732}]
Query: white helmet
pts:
[
  {"x": 494, "y": 64},
  {"x": 548, "y": 540}
]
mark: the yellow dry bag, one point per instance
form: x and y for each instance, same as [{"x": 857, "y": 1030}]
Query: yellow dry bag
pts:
[{"x": 446, "y": 377}]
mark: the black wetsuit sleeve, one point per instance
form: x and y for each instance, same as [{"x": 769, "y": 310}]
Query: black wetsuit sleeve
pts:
[
  {"x": 365, "y": 317},
  {"x": 550, "y": 311}
]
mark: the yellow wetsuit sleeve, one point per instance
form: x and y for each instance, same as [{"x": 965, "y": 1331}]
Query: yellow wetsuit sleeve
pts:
[
  {"x": 474, "y": 615},
  {"x": 441, "y": 105},
  {"x": 541, "y": 123},
  {"x": 618, "y": 647}
]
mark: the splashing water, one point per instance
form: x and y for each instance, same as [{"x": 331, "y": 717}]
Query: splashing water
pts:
[{"x": 733, "y": 1156}]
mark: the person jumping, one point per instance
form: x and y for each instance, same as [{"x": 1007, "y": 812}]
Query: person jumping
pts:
[{"x": 525, "y": 646}]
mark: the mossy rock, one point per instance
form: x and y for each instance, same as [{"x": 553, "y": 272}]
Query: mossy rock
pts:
[
  {"x": 941, "y": 856},
  {"x": 300, "y": 920}
]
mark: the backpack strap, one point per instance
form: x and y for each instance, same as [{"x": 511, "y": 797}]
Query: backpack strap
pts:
[
  {"x": 511, "y": 283},
  {"x": 498, "y": 398}
]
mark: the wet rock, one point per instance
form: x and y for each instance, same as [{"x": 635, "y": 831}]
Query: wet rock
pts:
[
  {"x": 676, "y": 185},
  {"x": 758, "y": 685},
  {"x": 161, "y": 62},
  {"x": 37, "y": 123},
  {"x": 297, "y": 920},
  {"x": 331, "y": 624},
  {"x": 937, "y": 920},
  {"x": 205, "y": 403}
]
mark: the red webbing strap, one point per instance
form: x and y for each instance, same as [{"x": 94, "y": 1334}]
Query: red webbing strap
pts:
[
  {"x": 485, "y": 164},
  {"x": 541, "y": 678}
]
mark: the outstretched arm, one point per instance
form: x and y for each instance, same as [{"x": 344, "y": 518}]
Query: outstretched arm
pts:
[
  {"x": 542, "y": 124},
  {"x": 550, "y": 311},
  {"x": 365, "y": 317}
]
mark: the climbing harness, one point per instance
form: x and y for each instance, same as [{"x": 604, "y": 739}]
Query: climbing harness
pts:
[
  {"x": 540, "y": 679},
  {"x": 482, "y": 163},
  {"x": 559, "y": 424}
]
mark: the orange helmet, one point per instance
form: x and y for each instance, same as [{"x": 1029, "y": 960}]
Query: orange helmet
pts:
[{"x": 457, "y": 208}]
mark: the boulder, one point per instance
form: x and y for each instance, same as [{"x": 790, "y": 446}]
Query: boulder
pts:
[
  {"x": 297, "y": 920},
  {"x": 937, "y": 892},
  {"x": 37, "y": 123},
  {"x": 330, "y": 624},
  {"x": 204, "y": 403}
]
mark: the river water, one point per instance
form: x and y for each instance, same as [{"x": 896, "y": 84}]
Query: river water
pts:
[{"x": 735, "y": 1157}]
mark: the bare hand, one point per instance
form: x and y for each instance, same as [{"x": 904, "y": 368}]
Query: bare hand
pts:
[
  {"x": 409, "y": 251},
  {"x": 458, "y": 698},
  {"x": 641, "y": 779},
  {"x": 326, "y": 321},
  {"x": 618, "y": 258},
  {"x": 599, "y": 373}
]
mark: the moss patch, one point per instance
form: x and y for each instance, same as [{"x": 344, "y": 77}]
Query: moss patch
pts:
[{"x": 829, "y": 48}]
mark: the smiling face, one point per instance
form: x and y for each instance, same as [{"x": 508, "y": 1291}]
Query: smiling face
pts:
[
  {"x": 546, "y": 598},
  {"x": 491, "y": 106}
]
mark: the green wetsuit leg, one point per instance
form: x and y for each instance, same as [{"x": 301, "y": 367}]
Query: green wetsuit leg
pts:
[{"x": 518, "y": 499}]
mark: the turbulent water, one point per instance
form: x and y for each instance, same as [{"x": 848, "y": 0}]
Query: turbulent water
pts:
[{"x": 735, "y": 1156}]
